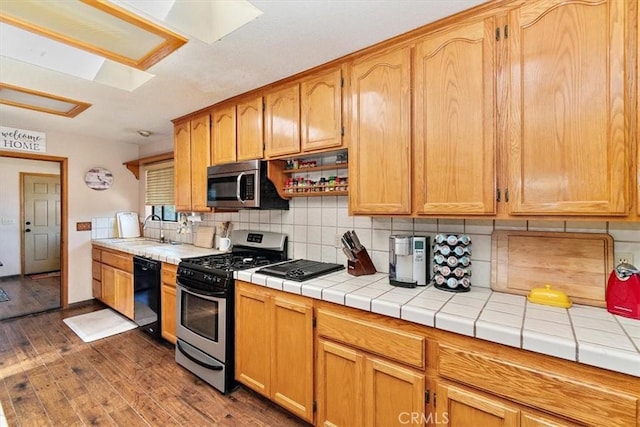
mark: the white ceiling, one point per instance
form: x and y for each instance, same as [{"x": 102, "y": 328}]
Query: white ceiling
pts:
[{"x": 290, "y": 36}]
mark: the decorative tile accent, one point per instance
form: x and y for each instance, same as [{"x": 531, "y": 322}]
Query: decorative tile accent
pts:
[
  {"x": 388, "y": 308},
  {"x": 499, "y": 333},
  {"x": 548, "y": 344},
  {"x": 627, "y": 362},
  {"x": 418, "y": 314},
  {"x": 455, "y": 323}
]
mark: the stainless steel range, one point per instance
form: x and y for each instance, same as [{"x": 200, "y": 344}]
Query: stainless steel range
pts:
[{"x": 205, "y": 304}]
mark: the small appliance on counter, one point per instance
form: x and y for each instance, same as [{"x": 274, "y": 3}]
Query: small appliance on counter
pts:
[
  {"x": 300, "y": 270},
  {"x": 408, "y": 261},
  {"x": 623, "y": 291},
  {"x": 451, "y": 262}
]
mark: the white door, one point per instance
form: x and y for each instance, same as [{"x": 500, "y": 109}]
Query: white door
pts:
[{"x": 41, "y": 223}]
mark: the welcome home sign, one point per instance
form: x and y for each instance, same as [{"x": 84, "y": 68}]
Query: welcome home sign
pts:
[{"x": 22, "y": 140}]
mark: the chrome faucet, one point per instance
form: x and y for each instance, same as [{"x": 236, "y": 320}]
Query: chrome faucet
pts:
[{"x": 152, "y": 216}]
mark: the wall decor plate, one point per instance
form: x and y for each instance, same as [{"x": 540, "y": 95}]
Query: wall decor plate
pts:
[{"x": 98, "y": 178}]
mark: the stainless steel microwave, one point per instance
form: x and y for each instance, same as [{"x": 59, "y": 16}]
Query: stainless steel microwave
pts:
[{"x": 242, "y": 185}]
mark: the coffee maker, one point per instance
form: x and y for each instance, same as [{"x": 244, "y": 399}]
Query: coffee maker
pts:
[{"x": 408, "y": 260}]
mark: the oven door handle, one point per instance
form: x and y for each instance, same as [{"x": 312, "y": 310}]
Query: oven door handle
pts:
[
  {"x": 198, "y": 362},
  {"x": 240, "y": 175},
  {"x": 199, "y": 292}
]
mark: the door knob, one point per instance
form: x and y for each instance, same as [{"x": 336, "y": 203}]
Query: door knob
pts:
[
  {"x": 27, "y": 230},
  {"x": 28, "y": 223}
]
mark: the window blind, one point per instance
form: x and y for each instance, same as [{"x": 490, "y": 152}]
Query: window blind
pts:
[{"x": 159, "y": 189}]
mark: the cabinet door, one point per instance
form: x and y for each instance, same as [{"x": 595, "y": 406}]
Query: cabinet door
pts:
[
  {"x": 124, "y": 293},
  {"x": 223, "y": 135},
  {"x": 168, "y": 312},
  {"x": 339, "y": 379},
  {"x": 321, "y": 111},
  {"x": 380, "y": 134},
  {"x": 292, "y": 355},
  {"x": 568, "y": 149},
  {"x": 391, "y": 391},
  {"x": 282, "y": 122},
  {"x": 200, "y": 160},
  {"x": 455, "y": 121},
  {"x": 250, "y": 138},
  {"x": 253, "y": 339},
  {"x": 182, "y": 166},
  {"x": 108, "y": 274},
  {"x": 461, "y": 407}
]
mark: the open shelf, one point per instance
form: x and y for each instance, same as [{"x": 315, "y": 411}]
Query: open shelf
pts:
[
  {"x": 317, "y": 194},
  {"x": 317, "y": 168}
]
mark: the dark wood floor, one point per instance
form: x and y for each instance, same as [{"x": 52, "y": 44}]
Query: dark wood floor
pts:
[
  {"x": 27, "y": 295},
  {"x": 49, "y": 376}
]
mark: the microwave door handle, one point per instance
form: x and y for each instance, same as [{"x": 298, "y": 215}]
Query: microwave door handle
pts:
[{"x": 238, "y": 188}]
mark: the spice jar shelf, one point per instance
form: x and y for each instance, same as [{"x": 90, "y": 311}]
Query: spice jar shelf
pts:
[
  {"x": 315, "y": 193},
  {"x": 316, "y": 168}
]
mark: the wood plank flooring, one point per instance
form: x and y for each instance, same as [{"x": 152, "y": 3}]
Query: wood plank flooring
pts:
[
  {"x": 27, "y": 296},
  {"x": 49, "y": 376}
]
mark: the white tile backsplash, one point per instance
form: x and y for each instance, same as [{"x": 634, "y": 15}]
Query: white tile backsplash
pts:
[{"x": 312, "y": 224}]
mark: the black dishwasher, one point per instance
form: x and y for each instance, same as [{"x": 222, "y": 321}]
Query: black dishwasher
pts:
[{"x": 146, "y": 286}]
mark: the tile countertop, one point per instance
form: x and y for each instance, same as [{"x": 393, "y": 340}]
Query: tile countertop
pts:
[
  {"x": 584, "y": 334},
  {"x": 153, "y": 249}
]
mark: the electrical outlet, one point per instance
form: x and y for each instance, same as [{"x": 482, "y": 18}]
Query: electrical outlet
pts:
[{"x": 624, "y": 257}]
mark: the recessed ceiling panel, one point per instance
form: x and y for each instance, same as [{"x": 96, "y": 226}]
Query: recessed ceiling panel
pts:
[
  {"x": 40, "y": 101},
  {"x": 95, "y": 26}
]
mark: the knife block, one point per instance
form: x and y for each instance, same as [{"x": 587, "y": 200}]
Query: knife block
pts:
[{"x": 362, "y": 265}]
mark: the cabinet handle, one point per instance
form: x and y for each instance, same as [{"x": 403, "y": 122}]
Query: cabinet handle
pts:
[
  {"x": 506, "y": 31},
  {"x": 498, "y": 195},
  {"x": 506, "y": 195},
  {"x": 498, "y": 34}
]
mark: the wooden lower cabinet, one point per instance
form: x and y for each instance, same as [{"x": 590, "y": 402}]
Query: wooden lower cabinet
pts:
[
  {"x": 112, "y": 279},
  {"x": 357, "y": 389},
  {"x": 117, "y": 290},
  {"x": 460, "y": 407},
  {"x": 339, "y": 389},
  {"x": 274, "y": 346},
  {"x": 168, "y": 302}
]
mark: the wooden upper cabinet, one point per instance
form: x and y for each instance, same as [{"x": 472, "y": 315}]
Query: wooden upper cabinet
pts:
[
  {"x": 282, "y": 121},
  {"x": 182, "y": 166},
  {"x": 321, "y": 111},
  {"x": 568, "y": 150},
  {"x": 200, "y": 160},
  {"x": 380, "y": 134},
  {"x": 223, "y": 135},
  {"x": 455, "y": 121},
  {"x": 192, "y": 148},
  {"x": 250, "y": 129}
]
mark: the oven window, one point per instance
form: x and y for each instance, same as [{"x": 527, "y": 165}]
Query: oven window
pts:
[{"x": 200, "y": 316}]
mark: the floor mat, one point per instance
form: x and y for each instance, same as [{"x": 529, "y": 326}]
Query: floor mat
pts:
[
  {"x": 3, "y": 296},
  {"x": 99, "y": 324}
]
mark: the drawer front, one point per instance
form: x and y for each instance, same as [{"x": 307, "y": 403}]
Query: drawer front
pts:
[
  {"x": 168, "y": 274},
  {"x": 390, "y": 343},
  {"x": 121, "y": 262},
  {"x": 548, "y": 391},
  {"x": 95, "y": 254}
]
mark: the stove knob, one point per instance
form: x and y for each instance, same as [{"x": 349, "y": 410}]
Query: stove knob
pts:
[{"x": 207, "y": 278}]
